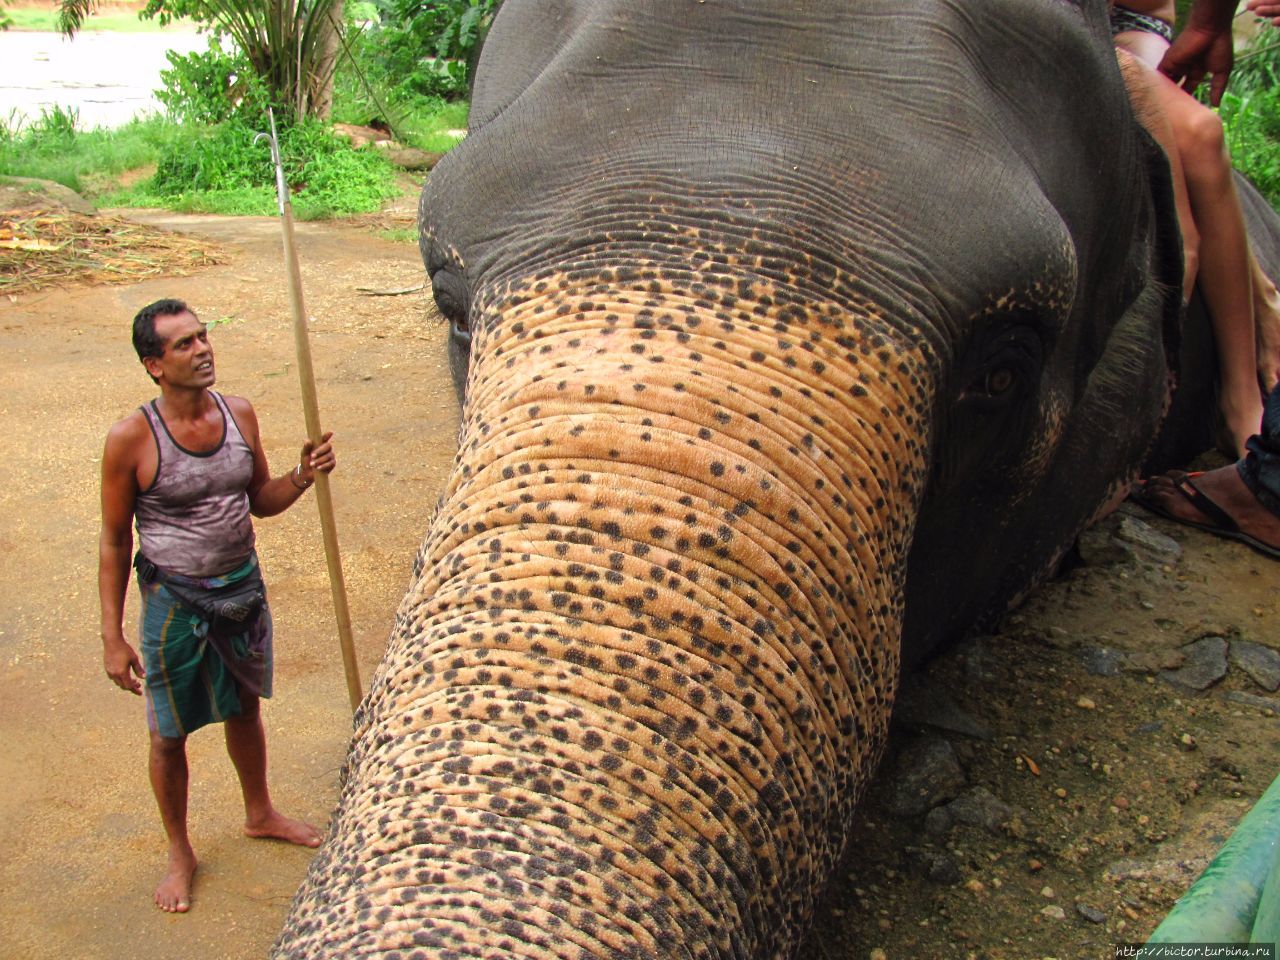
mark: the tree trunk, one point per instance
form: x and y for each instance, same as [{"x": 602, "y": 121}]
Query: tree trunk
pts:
[{"x": 326, "y": 61}]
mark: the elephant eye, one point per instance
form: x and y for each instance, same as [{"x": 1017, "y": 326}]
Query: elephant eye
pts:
[
  {"x": 998, "y": 381},
  {"x": 451, "y": 298}
]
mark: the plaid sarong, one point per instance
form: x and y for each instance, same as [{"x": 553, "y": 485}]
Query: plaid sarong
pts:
[{"x": 194, "y": 679}]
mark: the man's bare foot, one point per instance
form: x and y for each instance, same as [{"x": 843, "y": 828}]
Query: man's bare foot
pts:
[
  {"x": 174, "y": 893},
  {"x": 1217, "y": 501},
  {"x": 276, "y": 826}
]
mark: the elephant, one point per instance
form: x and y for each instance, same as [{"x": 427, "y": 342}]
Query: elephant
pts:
[{"x": 796, "y": 339}]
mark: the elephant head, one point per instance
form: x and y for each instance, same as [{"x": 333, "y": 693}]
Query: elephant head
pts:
[{"x": 776, "y": 320}]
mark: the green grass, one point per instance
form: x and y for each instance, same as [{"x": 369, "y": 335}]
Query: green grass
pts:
[
  {"x": 399, "y": 235},
  {"x": 334, "y": 181},
  {"x": 431, "y": 131},
  {"x": 117, "y": 21},
  {"x": 52, "y": 149}
]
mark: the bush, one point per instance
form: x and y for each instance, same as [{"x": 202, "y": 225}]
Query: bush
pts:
[
  {"x": 222, "y": 169},
  {"x": 210, "y": 87},
  {"x": 1253, "y": 137},
  {"x": 426, "y": 47}
]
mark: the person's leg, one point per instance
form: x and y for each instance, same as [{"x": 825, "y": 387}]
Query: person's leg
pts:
[
  {"x": 1260, "y": 469},
  {"x": 247, "y": 747},
  {"x": 1139, "y": 79},
  {"x": 1266, "y": 315},
  {"x": 1226, "y": 274},
  {"x": 1225, "y": 279},
  {"x": 168, "y": 770}
]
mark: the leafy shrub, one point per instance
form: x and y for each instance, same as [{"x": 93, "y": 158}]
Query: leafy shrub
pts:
[
  {"x": 222, "y": 169},
  {"x": 55, "y": 128},
  {"x": 210, "y": 87},
  {"x": 1253, "y": 137},
  {"x": 426, "y": 47}
]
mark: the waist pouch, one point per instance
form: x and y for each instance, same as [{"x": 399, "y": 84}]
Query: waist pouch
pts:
[{"x": 228, "y": 610}]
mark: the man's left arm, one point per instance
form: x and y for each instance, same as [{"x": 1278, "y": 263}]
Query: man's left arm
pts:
[{"x": 270, "y": 495}]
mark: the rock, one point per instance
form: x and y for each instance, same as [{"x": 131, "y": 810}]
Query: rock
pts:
[
  {"x": 978, "y": 807},
  {"x": 938, "y": 866},
  {"x": 1086, "y": 703},
  {"x": 923, "y": 704},
  {"x": 925, "y": 774},
  {"x": 407, "y": 158},
  {"x": 1252, "y": 700},
  {"x": 359, "y": 136},
  {"x": 1161, "y": 548},
  {"x": 1102, "y": 661},
  {"x": 1054, "y": 912},
  {"x": 1098, "y": 548},
  {"x": 1090, "y": 913},
  {"x": 22, "y": 193},
  {"x": 1206, "y": 664},
  {"x": 411, "y": 158},
  {"x": 938, "y": 822},
  {"x": 1262, "y": 664}
]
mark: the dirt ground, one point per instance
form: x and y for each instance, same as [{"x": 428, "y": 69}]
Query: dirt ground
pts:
[{"x": 1115, "y": 784}]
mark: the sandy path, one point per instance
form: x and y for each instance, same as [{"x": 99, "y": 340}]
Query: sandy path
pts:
[{"x": 83, "y": 849}]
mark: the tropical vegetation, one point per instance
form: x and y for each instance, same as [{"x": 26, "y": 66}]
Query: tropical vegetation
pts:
[{"x": 277, "y": 55}]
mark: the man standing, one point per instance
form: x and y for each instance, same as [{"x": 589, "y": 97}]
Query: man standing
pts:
[{"x": 189, "y": 469}]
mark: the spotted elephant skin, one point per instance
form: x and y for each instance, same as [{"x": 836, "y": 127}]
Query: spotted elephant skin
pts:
[{"x": 787, "y": 322}]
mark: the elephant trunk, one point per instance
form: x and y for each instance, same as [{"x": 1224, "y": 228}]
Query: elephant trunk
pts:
[{"x": 644, "y": 670}]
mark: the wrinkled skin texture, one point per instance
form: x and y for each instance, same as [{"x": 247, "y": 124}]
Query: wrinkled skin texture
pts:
[{"x": 766, "y": 305}]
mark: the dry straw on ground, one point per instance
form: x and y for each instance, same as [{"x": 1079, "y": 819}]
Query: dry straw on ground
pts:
[{"x": 44, "y": 248}]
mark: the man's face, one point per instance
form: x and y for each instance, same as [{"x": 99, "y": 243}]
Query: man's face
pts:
[{"x": 187, "y": 360}]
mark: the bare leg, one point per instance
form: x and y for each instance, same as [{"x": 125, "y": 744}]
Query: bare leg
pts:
[
  {"x": 1225, "y": 277},
  {"x": 1266, "y": 313},
  {"x": 1226, "y": 272},
  {"x": 1140, "y": 80},
  {"x": 247, "y": 747},
  {"x": 168, "y": 770}
]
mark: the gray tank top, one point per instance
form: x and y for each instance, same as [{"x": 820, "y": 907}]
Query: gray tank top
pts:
[{"x": 194, "y": 518}]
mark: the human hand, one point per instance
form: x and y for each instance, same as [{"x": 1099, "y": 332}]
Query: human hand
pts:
[
  {"x": 1267, "y": 9},
  {"x": 123, "y": 666},
  {"x": 1198, "y": 51},
  {"x": 317, "y": 457}
]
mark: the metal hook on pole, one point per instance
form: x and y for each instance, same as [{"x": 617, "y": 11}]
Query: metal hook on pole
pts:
[{"x": 311, "y": 413}]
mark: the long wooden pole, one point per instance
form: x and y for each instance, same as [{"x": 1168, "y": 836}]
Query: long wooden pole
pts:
[{"x": 311, "y": 412}]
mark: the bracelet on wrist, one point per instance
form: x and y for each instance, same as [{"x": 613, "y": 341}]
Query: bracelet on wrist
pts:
[{"x": 295, "y": 477}]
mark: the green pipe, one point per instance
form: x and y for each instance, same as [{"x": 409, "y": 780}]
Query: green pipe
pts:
[
  {"x": 1266, "y": 926},
  {"x": 1237, "y": 898}
]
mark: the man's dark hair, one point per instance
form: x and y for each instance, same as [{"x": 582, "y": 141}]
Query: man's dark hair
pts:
[{"x": 145, "y": 340}]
